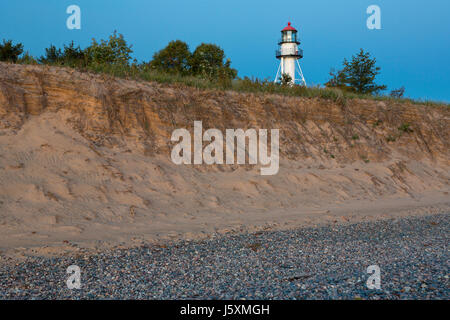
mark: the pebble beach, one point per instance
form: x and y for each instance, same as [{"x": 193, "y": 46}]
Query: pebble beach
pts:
[{"x": 326, "y": 262}]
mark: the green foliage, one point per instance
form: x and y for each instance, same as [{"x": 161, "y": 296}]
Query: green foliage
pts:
[
  {"x": 285, "y": 79},
  {"x": 207, "y": 61},
  {"x": 75, "y": 56},
  {"x": 70, "y": 56},
  {"x": 27, "y": 59},
  {"x": 358, "y": 75},
  {"x": 174, "y": 58},
  {"x": 377, "y": 123},
  {"x": 10, "y": 52},
  {"x": 337, "y": 80},
  {"x": 390, "y": 138},
  {"x": 52, "y": 55},
  {"x": 113, "y": 51},
  {"x": 405, "y": 127}
]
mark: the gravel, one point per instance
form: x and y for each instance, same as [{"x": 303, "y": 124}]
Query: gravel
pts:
[{"x": 328, "y": 262}]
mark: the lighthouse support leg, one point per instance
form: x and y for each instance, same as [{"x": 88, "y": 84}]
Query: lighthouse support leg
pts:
[
  {"x": 301, "y": 74},
  {"x": 278, "y": 71}
]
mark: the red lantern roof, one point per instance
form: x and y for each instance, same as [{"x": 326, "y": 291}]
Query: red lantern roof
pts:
[{"x": 289, "y": 28}]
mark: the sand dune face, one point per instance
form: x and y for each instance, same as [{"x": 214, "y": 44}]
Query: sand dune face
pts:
[{"x": 87, "y": 157}]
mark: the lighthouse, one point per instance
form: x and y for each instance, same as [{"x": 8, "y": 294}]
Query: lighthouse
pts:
[{"x": 289, "y": 55}]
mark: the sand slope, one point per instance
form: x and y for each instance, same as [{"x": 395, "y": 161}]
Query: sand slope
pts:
[{"x": 86, "y": 158}]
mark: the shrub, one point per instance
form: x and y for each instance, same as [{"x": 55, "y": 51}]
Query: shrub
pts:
[
  {"x": 397, "y": 93},
  {"x": 52, "y": 55},
  {"x": 113, "y": 51},
  {"x": 10, "y": 52},
  {"x": 285, "y": 79},
  {"x": 27, "y": 59},
  {"x": 376, "y": 123},
  {"x": 390, "y": 138},
  {"x": 405, "y": 127},
  {"x": 75, "y": 56}
]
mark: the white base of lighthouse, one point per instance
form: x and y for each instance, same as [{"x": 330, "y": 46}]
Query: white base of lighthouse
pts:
[{"x": 290, "y": 66}]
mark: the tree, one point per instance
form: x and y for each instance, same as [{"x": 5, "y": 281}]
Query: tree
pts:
[
  {"x": 174, "y": 58},
  {"x": 337, "y": 79},
  {"x": 74, "y": 56},
  {"x": 207, "y": 61},
  {"x": 52, "y": 55},
  {"x": 10, "y": 52},
  {"x": 358, "y": 75},
  {"x": 71, "y": 56},
  {"x": 113, "y": 51}
]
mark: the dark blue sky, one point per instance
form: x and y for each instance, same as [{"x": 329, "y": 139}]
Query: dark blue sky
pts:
[{"x": 412, "y": 48}]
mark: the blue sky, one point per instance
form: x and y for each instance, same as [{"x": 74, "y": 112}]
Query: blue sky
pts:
[{"x": 412, "y": 48}]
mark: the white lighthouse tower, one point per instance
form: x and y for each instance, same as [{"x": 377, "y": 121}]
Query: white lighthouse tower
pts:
[{"x": 289, "y": 53}]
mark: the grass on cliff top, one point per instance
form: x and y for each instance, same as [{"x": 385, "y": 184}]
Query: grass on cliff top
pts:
[{"x": 136, "y": 72}]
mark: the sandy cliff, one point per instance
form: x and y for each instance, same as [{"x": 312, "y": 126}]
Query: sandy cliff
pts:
[{"x": 87, "y": 157}]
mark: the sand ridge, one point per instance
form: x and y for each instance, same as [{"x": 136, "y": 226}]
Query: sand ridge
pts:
[{"x": 86, "y": 159}]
